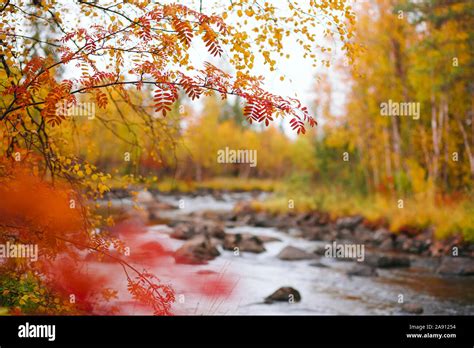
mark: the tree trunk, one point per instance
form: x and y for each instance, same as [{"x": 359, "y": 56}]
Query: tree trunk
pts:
[
  {"x": 467, "y": 146},
  {"x": 434, "y": 136},
  {"x": 198, "y": 172},
  {"x": 446, "y": 142},
  {"x": 396, "y": 142},
  {"x": 388, "y": 158}
]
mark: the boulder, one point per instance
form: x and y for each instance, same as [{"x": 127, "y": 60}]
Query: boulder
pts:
[
  {"x": 210, "y": 228},
  {"x": 283, "y": 222},
  {"x": 119, "y": 193},
  {"x": 319, "y": 265},
  {"x": 415, "y": 246},
  {"x": 362, "y": 271},
  {"x": 349, "y": 222},
  {"x": 400, "y": 241},
  {"x": 244, "y": 242},
  {"x": 231, "y": 216},
  {"x": 463, "y": 266},
  {"x": 284, "y": 294},
  {"x": 244, "y": 220},
  {"x": 305, "y": 219},
  {"x": 268, "y": 239},
  {"x": 144, "y": 197},
  {"x": 262, "y": 220},
  {"x": 345, "y": 234},
  {"x": 330, "y": 234},
  {"x": 382, "y": 235},
  {"x": 291, "y": 253},
  {"x": 320, "y": 250},
  {"x": 387, "y": 245},
  {"x": 315, "y": 233},
  {"x": 387, "y": 261},
  {"x": 412, "y": 308},
  {"x": 363, "y": 234},
  {"x": 210, "y": 215},
  {"x": 312, "y": 219},
  {"x": 295, "y": 233},
  {"x": 198, "y": 250},
  {"x": 408, "y": 245},
  {"x": 183, "y": 231},
  {"x": 188, "y": 230},
  {"x": 323, "y": 219}
]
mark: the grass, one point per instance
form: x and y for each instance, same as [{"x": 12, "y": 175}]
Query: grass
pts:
[
  {"x": 217, "y": 184},
  {"x": 239, "y": 184},
  {"x": 418, "y": 212},
  {"x": 187, "y": 186}
]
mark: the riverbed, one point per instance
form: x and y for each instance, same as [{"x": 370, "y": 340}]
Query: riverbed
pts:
[
  {"x": 325, "y": 289},
  {"x": 323, "y": 284}
]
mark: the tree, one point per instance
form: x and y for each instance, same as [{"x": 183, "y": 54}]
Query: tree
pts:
[{"x": 423, "y": 51}]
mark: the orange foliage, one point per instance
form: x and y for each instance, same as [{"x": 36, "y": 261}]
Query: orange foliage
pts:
[{"x": 35, "y": 212}]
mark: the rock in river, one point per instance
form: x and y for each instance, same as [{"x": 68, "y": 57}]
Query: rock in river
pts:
[
  {"x": 387, "y": 261},
  {"x": 183, "y": 232},
  {"x": 268, "y": 239},
  {"x": 362, "y": 271},
  {"x": 412, "y": 308},
  {"x": 198, "y": 250},
  {"x": 284, "y": 294},
  {"x": 290, "y": 253},
  {"x": 463, "y": 266},
  {"x": 319, "y": 265},
  {"x": 190, "y": 229},
  {"x": 349, "y": 222},
  {"x": 155, "y": 209},
  {"x": 244, "y": 242},
  {"x": 144, "y": 197}
]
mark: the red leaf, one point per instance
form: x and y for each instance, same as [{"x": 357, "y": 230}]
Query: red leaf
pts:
[{"x": 165, "y": 96}]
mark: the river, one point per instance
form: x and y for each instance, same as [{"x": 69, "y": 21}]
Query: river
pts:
[{"x": 324, "y": 290}]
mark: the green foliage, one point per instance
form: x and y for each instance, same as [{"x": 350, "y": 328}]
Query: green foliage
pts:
[{"x": 25, "y": 293}]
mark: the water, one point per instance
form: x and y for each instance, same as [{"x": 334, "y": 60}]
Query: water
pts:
[{"x": 324, "y": 291}]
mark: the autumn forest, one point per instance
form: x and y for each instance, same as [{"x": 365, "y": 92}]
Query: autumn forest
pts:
[{"x": 166, "y": 157}]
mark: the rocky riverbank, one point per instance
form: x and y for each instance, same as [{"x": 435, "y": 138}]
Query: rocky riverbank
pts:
[
  {"x": 210, "y": 230},
  {"x": 203, "y": 231}
]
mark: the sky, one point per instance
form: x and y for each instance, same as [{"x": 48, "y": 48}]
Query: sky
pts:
[{"x": 299, "y": 72}]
